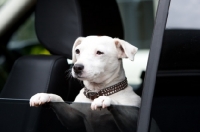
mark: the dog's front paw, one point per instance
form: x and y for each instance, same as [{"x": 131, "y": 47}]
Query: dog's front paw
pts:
[
  {"x": 101, "y": 102},
  {"x": 39, "y": 99}
]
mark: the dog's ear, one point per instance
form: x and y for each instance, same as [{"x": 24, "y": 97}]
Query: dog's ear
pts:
[
  {"x": 125, "y": 50},
  {"x": 76, "y": 43}
]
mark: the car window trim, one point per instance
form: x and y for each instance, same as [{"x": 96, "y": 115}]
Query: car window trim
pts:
[{"x": 152, "y": 65}]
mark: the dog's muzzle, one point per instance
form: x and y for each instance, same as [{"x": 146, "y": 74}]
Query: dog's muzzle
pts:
[{"x": 78, "y": 68}]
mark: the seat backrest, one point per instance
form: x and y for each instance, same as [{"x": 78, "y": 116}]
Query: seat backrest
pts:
[
  {"x": 180, "y": 50},
  {"x": 179, "y": 67},
  {"x": 35, "y": 74}
]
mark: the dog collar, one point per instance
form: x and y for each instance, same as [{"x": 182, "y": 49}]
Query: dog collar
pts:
[{"x": 106, "y": 91}]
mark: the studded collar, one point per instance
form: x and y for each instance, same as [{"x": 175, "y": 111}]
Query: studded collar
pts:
[{"x": 106, "y": 91}]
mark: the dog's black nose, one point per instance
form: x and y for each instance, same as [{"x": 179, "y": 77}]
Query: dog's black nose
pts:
[{"x": 78, "y": 68}]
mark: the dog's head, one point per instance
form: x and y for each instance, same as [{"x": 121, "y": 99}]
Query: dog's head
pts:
[{"x": 95, "y": 58}]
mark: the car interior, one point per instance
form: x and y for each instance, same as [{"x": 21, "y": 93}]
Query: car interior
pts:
[
  {"x": 169, "y": 90},
  {"x": 57, "y": 25}
]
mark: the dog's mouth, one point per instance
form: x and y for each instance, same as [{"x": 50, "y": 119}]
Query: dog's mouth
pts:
[
  {"x": 78, "y": 76},
  {"x": 83, "y": 75}
]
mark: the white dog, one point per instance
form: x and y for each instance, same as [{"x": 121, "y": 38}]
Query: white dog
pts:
[{"x": 98, "y": 63}]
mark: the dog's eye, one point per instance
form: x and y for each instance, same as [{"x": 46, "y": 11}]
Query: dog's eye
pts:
[
  {"x": 99, "y": 53},
  {"x": 77, "y": 51}
]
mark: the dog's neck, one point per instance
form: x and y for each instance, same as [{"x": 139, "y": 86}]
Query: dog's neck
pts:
[{"x": 116, "y": 77}]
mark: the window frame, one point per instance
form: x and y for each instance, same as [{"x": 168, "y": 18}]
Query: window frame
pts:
[{"x": 152, "y": 65}]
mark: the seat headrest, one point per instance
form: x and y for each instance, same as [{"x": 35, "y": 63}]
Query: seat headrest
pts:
[
  {"x": 59, "y": 23},
  {"x": 101, "y": 17},
  {"x": 180, "y": 50}
]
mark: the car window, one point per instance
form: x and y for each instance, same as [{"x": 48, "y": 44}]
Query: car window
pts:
[{"x": 176, "y": 98}]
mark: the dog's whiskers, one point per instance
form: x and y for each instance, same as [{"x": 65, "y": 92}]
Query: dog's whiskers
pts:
[{"x": 68, "y": 74}]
